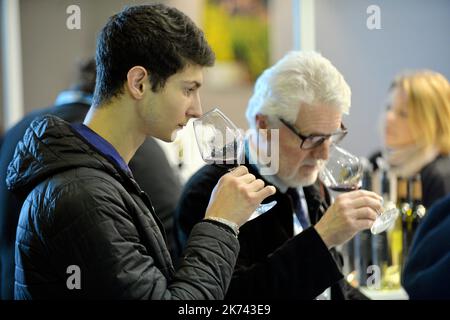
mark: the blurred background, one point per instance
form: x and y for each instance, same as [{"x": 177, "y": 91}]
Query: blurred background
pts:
[{"x": 39, "y": 49}]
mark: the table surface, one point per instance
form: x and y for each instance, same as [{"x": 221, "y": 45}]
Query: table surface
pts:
[{"x": 398, "y": 294}]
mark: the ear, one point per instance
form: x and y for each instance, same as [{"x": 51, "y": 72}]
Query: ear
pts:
[
  {"x": 262, "y": 122},
  {"x": 137, "y": 79}
]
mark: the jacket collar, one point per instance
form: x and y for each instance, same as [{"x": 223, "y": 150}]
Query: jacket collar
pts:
[{"x": 51, "y": 146}]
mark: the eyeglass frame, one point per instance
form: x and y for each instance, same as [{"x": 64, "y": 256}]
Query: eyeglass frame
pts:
[{"x": 324, "y": 137}]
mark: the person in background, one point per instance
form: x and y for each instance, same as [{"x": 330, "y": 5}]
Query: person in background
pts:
[
  {"x": 84, "y": 212},
  {"x": 417, "y": 131},
  {"x": 426, "y": 274},
  {"x": 289, "y": 251}
]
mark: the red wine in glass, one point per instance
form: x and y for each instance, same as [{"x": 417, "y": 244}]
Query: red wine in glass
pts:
[
  {"x": 345, "y": 188},
  {"x": 221, "y": 143},
  {"x": 343, "y": 172}
]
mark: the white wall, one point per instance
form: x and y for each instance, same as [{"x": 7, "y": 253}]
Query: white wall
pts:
[
  {"x": 414, "y": 34},
  {"x": 281, "y": 34}
]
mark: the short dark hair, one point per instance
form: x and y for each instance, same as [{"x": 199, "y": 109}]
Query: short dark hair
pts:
[{"x": 159, "y": 38}]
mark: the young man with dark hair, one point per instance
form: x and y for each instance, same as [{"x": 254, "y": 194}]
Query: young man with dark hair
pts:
[
  {"x": 86, "y": 228},
  {"x": 149, "y": 164}
]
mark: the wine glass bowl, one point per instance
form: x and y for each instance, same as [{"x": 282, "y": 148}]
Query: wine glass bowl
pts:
[
  {"x": 221, "y": 143},
  {"x": 343, "y": 172}
]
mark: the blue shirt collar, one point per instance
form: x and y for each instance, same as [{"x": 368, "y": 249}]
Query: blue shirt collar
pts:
[
  {"x": 73, "y": 96},
  {"x": 101, "y": 145}
]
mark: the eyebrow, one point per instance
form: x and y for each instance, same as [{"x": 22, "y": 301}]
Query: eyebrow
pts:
[
  {"x": 196, "y": 83},
  {"x": 312, "y": 133},
  {"x": 342, "y": 127}
]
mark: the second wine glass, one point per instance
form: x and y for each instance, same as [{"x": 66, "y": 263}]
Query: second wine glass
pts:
[{"x": 343, "y": 172}]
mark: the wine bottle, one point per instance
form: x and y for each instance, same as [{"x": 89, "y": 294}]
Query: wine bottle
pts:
[
  {"x": 380, "y": 244},
  {"x": 393, "y": 275},
  {"x": 412, "y": 217},
  {"x": 419, "y": 210},
  {"x": 362, "y": 242}
]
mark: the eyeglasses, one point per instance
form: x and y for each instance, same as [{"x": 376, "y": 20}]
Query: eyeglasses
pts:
[{"x": 313, "y": 141}]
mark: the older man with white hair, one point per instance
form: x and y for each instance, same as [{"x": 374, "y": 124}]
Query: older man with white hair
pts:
[{"x": 288, "y": 252}]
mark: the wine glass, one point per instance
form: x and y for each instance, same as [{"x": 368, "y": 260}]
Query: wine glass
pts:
[
  {"x": 343, "y": 172},
  {"x": 221, "y": 143}
]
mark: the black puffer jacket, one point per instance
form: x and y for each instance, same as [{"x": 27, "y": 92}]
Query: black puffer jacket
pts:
[{"x": 81, "y": 209}]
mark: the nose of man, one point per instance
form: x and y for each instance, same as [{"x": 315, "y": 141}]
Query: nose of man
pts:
[
  {"x": 195, "y": 109},
  {"x": 321, "y": 152}
]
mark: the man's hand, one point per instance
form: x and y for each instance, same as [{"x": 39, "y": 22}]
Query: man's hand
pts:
[
  {"x": 237, "y": 195},
  {"x": 350, "y": 213}
]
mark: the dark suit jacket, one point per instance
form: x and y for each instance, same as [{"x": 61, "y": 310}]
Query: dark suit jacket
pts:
[
  {"x": 272, "y": 263},
  {"x": 149, "y": 165}
]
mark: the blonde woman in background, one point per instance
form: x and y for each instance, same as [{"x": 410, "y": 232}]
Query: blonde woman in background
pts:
[{"x": 417, "y": 131}]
